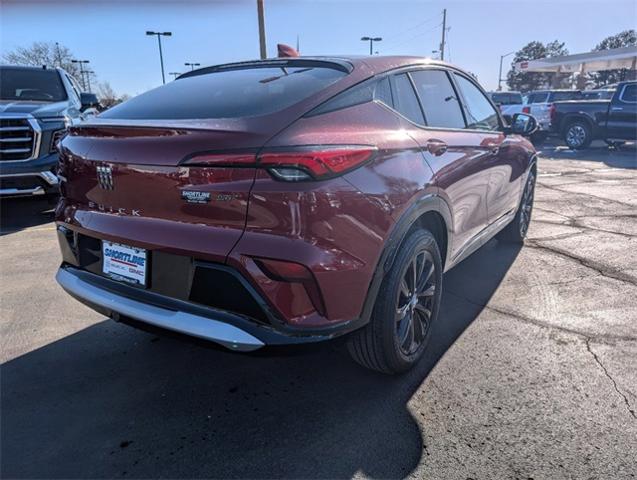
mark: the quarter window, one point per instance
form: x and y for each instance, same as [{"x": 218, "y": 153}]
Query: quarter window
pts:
[
  {"x": 629, "y": 94},
  {"x": 480, "y": 113},
  {"x": 405, "y": 100},
  {"x": 439, "y": 100}
]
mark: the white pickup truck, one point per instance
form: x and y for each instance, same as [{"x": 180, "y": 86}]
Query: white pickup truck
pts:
[{"x": 538, "y": 103}]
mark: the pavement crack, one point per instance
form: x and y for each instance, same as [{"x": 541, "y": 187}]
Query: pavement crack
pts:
[
  {"x": 590, "y": 195},
  {"x": 585, "y": 262},
  {"x": 605, "y": 370}
]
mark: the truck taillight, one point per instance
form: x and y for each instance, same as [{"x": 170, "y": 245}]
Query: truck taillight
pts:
[
  {"x": 526, "y": 109},
  {"x": 552, "y": 112}
]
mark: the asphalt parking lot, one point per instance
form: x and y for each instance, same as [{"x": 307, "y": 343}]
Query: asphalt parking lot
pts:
[{"x": 532, "y": 371}]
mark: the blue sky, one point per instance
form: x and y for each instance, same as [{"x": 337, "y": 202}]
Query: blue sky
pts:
[{"x": 111, "y": 34}]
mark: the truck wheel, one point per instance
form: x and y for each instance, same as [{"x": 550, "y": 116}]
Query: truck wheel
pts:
[
  {"x": 406, "y": 308},
  {"x": 577, "y": 135}
]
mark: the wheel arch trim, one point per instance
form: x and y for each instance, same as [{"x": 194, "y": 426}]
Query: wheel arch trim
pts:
[{"x": 424, "y": 204}]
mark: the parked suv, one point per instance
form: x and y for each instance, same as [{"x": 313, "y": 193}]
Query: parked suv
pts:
[
  {"x": 292, "y": 201},
  {"x": 36, "y": 107}
]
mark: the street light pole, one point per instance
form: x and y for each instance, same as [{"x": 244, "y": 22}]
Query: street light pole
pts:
[
  {"x": 371, "y": 41},
  {"x": 175, "y": 74},
  {"x": 82, "y": 62},
  {"x": 161, "y": 55},
  {"x": 192, "y": 65},
  {"x": 502, "y": 57}
]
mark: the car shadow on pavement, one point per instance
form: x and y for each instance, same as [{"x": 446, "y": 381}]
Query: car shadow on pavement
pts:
[
  {"x": 110, "y": 401},
  {"x": 19, "y": 213}
]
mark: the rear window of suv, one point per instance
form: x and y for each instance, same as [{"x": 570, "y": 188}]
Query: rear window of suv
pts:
[{"x": 229, "y": 93}]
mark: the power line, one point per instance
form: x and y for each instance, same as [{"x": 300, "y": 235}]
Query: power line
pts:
[
  {"x": 394, "y": 45},
  {"x": 400, "y": 34}
]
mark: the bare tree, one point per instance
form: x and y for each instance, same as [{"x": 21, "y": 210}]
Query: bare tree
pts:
[
  {"x": 108, "y": 97},
  {"x": 43, "y": 54}
]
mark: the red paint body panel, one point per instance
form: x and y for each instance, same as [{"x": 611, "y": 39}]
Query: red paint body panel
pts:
[{"x": 338, "y": 228}]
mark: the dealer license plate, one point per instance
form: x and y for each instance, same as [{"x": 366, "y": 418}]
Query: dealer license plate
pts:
[{"x": 124, "y": 263}]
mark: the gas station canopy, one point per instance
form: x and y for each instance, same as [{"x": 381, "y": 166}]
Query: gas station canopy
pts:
[{"x": 616, "y": 58}]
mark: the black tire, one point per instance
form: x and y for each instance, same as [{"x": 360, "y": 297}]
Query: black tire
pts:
[
  {"x": 400, "y": 327},
  {"x": 577, "y": 135},
  {"x": 515, "y": 232}
]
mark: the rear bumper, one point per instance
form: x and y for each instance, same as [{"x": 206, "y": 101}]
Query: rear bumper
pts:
[
  {"x": 123, "y": 303},
  {"x": 178, "y": 318}
]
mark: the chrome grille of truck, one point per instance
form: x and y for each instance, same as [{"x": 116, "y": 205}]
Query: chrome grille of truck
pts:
[{"x": 17, "y": 139}]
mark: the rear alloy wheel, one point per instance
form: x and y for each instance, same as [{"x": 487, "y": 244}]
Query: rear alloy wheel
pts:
[
  {"x": 406, "y": 308},
  {"x": 577, "y": 135},
  {"x": 516, "y": 231}
]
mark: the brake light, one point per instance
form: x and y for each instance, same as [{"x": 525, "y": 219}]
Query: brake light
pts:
[
  {"x": 526, "y": 109},
  {"x": 552, "y": 112},
  {"x": 301, "y": 164},
  {"x": 313, "y": 164},
  {"x": 283, "y": 271}
]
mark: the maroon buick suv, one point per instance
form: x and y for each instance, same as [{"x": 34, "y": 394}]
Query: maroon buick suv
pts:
[{"x": 292, "y": 200}]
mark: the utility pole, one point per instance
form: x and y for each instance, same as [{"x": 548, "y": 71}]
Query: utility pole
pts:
[
  {"x": 81, "y": 62},
  {"x": 57, "y": 51},
  {"x": 444, "y": 30},
  {"x": 161, "y": 56},
  {"x": 261, "y": 29},
  {"x": 298, "y": 48},
  {"x": 88, "y": 78}
]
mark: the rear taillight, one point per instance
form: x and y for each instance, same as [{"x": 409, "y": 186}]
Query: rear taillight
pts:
[
  {"x": 526, "y": 109},
  {"x": 552, "y": 112},
  {"x": 310, "y": 164},
  {"x": 293, "y": 165}
]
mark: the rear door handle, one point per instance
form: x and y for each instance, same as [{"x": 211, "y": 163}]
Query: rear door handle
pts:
[
  {"x": 617, "y": 108},
  {"x": 436, "y": 147}
]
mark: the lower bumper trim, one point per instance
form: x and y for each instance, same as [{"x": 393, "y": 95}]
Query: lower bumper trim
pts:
[{"x": 222, "y": 333}]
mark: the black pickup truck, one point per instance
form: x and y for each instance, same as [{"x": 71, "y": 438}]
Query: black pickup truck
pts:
[{"x": 582, "y": 121}]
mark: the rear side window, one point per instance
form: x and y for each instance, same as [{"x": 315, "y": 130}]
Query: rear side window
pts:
[
  {"x": 538, "y": 97},
  {"x": 405, "y": 100},
  {"x": 629, "y": 94},
  {"x": 439, "y": 100},
  {"x": 228, "y": 93},
  {"x": 562, "y": 96},
  {"x": 369, "y": 90},
  {"x": 480, "y": 113}
]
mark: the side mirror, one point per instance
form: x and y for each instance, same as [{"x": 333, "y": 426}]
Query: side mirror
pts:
[
  {"x": 523, "y": 124},
  {"x": 89, "y": 100}
]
